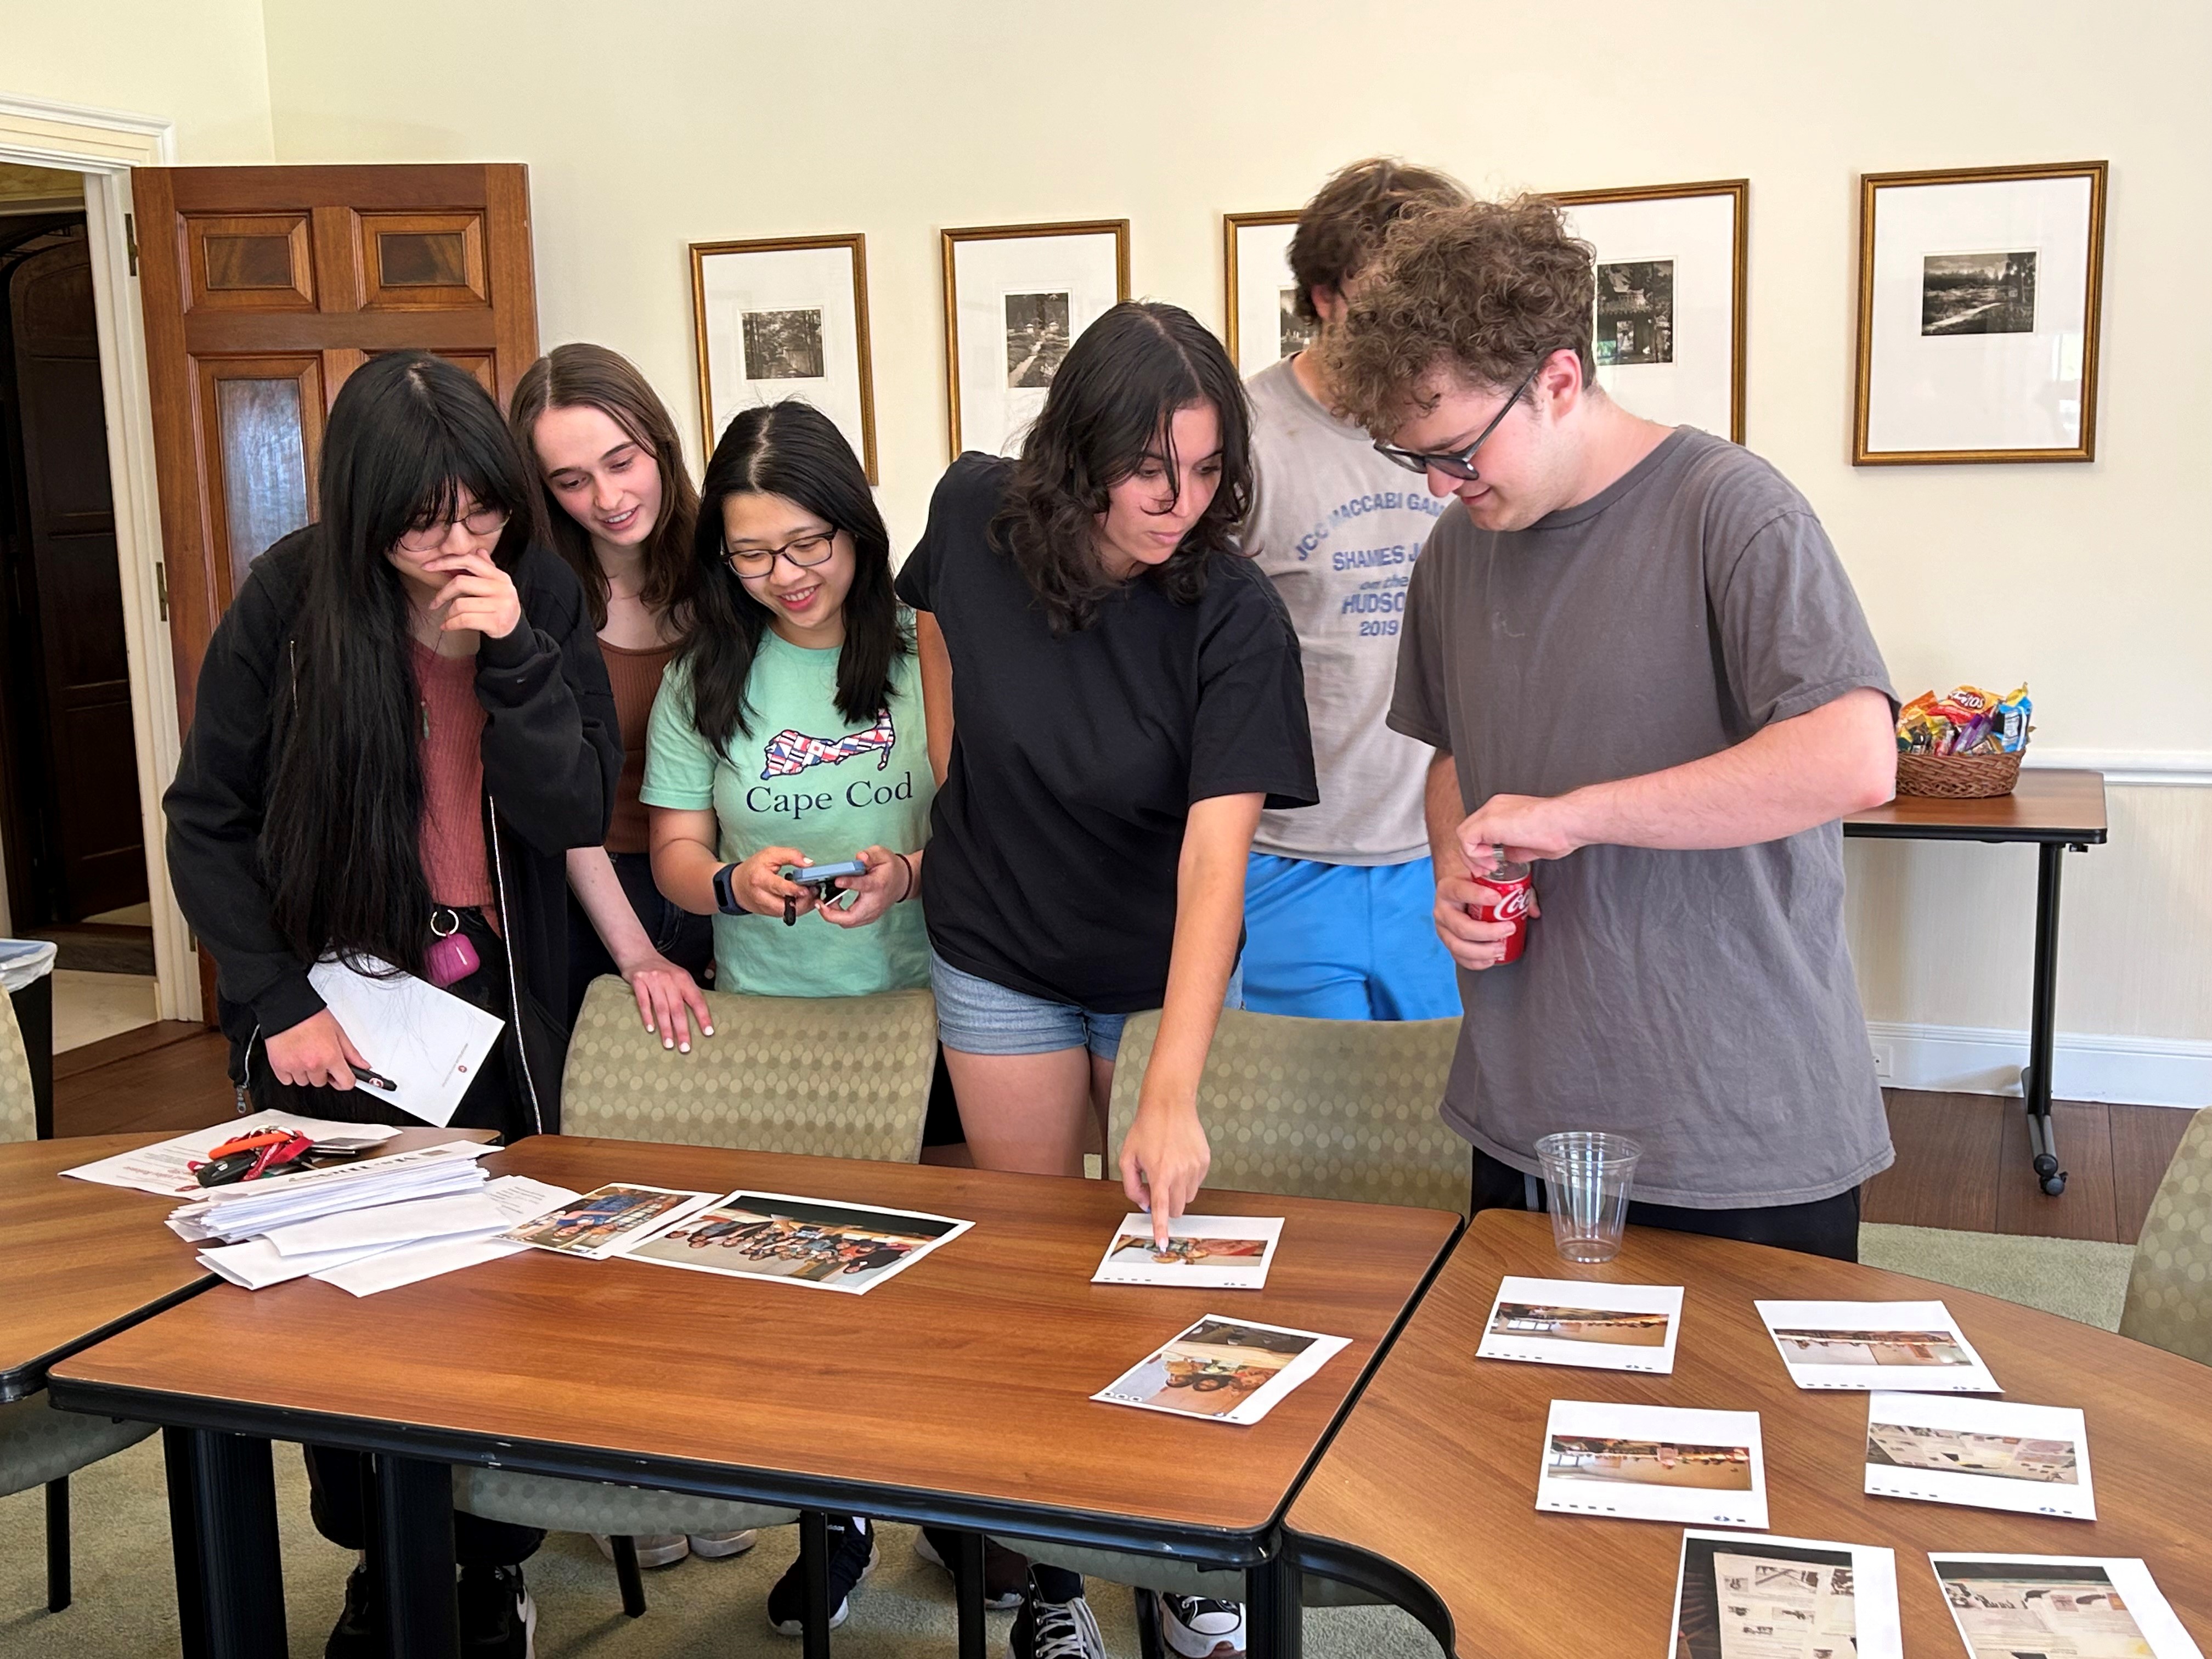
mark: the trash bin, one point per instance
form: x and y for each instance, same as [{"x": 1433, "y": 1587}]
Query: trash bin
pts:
[{"x": 26, "y": 969}]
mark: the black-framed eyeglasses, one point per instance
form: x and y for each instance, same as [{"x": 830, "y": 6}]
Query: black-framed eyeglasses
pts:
[
  {"x": 430, "y": 538},
  {"x": 1459, "y": 463},
  {"x": 805, "y": 551}
]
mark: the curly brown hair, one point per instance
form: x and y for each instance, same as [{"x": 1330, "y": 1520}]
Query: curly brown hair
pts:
[
  {"x": 1340, "y": 228},
  {"x": 1484, "y": 291}
]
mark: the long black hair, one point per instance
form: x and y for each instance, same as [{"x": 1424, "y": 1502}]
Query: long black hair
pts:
[
  {"x": 339, "y": 837},
  {"x": 1113, "y": 400},
  {"x": 792, "y": 450}
]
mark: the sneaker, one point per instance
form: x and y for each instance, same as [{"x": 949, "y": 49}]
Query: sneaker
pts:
[
  {"x": 720, "y": 1546},
  {"x": 659, "y": 1549},
  {"x": 1199, "y": 1628},
  {"x": 852, "y": 1558},
  {"x": 1055, "y": 1630},
  {"x": 355, "y": 1635},
  {"x": 498, "y": 1618},
  {"x": 1005, "y": 1574}
]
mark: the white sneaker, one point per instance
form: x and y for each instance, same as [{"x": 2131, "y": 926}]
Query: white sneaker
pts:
[
  {"x": 1198, "y": 1628},
  {"x": 720, "y": 1546},
  {"x": 660, "y": 1549}
]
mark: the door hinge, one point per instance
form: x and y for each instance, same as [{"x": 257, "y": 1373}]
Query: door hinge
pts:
[
  {"x": 161, "y": 588},
  {"x": 130, "y": 241}
]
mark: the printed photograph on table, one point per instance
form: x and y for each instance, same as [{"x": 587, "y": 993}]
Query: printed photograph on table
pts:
[
  {"x": 1913, "y": 1345},
  {"x": 1673, "y": 275},
  {"x": 1557, "y": 1321},
  {"x": 1261, "y": 324},
  {"x": 604, "y": 1220},
  {"x": 1653, "y": 1463},
  {"x": 1232, "y": 1371},
  {"x": 1990, "y": 1454},
  {"x": 785, "y": 317},
  {"x": 1203, "y": 1252},
  {"x": 1016, "y": 297},
  {"x": 1979, "y": 291},
  {"x": 1747, "y": 1597},
  {"x": 2059, "y": 1607},
  {"x": 798, "y": 1241}
]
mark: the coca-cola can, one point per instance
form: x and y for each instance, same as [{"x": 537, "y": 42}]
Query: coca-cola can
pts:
[{"x": 1504, "y": 894}]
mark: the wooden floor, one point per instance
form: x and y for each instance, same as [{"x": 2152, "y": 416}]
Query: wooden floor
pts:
[{"x": 1962, "y": 1160}]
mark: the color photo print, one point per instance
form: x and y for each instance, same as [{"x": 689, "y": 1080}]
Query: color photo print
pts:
[
  {"x": 605, "y": 1220},
  {"x": 1232, "y": 1371},
  {"x": 1914, "y": 1345},
  {"x": 1750, "y": 1597},
  {"x": 2059, "y": 1607},
  {"x": 1653, "y": 1463},
  {"x": 799, "y": 1241},
  {"x": 1203, "y": 1253},
  {"x": 1611, "y": 1328},
  {"x": 1990, "y": 1454}
]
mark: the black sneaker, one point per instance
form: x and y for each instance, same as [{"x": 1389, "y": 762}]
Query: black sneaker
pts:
[
  {"x": 852, "y": 1558},
  {"x": 1005, "y": 1574},
  {"x": 1198, "y": 1627},
  {"x": 355, "y": 1636},
  {"x": 1055, "y": 1630},
  {"x": 498, "y": 1618}
]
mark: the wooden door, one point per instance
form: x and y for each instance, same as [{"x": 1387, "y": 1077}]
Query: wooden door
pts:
[{"x": 98, "y": 842}]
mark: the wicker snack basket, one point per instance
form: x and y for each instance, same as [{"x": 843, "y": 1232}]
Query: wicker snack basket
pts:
[{"x": 1958, "y": 777}]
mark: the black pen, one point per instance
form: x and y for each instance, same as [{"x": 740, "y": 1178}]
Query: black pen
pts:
[{"x": 375, "y": 1081}]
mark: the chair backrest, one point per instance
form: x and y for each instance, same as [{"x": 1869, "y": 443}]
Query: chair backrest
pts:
[
  {"x": 19, "y": 1115},
  {"x": 2169, "y": 1302},
  {"x": 836, "y": 1077},
  {"x": 1319, "y": 1108}
]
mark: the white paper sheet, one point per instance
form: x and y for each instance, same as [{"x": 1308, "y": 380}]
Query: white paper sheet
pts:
[
  {"x": 1653, "y": 1463},
  {"x": 2061, "y": 1607},
  {"x": 1204, "y": 1252},
  {"x": 1223, "y": 1370},
  {"x": 496, "y": 1205},
  {"x": 517, "y": 1197},
  {"x": 240, "y": 1212},
  {"x": 1913, "y": 1346},
  {"x": 1991, "y": 1453},
  {"x": 427, "y": 1041},
  {"x": 1785, "y": 1598},
  {"x": 1565, "y": 1322},
  {"x": 255, "y": 1265},
  {"x": 166, "y": 1166}
]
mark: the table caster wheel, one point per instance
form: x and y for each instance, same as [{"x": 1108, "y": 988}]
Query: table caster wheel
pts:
[
  {"x": 2047, "y": 1167},
  {"x": 2054, "y": 1184}
]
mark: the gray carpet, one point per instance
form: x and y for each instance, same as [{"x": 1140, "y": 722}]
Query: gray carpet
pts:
[{"x": 125, "y": 1603}]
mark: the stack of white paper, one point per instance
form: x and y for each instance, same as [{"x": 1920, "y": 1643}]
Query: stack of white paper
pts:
[
  {"x": 248, "y": 1208},
  {"x": 367, "y": 1250},
  {"x": 166, "y": 1167}
]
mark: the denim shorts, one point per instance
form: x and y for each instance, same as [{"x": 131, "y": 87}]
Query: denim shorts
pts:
[{"x": 977, "y": 1016}]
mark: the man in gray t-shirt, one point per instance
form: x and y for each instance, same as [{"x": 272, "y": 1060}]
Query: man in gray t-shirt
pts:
[{"x": 1646, "y": 671}]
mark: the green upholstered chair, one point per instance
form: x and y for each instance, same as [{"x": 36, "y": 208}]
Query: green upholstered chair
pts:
[
  {"x": 2169, "y": 1302},
  {"x": 39, "y": 1445}
]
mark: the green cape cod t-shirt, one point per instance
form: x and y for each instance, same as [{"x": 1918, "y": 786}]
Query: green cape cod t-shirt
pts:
[{"x": 808, "y": 778}]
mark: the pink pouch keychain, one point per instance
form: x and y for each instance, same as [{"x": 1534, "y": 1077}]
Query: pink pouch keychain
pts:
[{"x": 451, "y": 958}]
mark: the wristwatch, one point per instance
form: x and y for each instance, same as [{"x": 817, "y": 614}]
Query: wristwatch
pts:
[{"x": 726, "y": 897}]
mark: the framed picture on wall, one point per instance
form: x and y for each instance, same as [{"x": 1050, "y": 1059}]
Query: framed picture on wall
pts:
[
  {"x": 787, "y": 317},
  {"x": 1261, "y": 322},
  {"x": 1015, "y": 298},
  {"x": 1978, "y": 295},
  {"x": 1672, "y": 271}
]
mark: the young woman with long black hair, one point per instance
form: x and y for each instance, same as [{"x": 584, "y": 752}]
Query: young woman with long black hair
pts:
[
  {"x": 620, "y": 508},
  {"x": 402, "y": 725},
  {"x": 1114, "y": 695}
]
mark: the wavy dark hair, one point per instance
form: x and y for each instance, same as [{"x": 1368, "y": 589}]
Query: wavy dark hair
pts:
[
  {"x": 579, "y": 375},
  {"x": 340, "y": 846},
  {"x": 792, "y": 450},
  {"x": 1111, "y": 403}
]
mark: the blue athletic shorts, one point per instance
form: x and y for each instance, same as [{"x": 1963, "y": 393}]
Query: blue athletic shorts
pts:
[
  {"x": 979, "y": 1017},
  {"x": 1345, "y": 941}
]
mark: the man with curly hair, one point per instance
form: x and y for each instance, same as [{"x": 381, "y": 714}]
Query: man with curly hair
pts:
[
  {"x": 1336, "y": 899},
  {"x": 1643, "y": 671}
]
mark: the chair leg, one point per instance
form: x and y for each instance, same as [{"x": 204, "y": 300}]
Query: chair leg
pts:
[
  {"x": 814, "y": 1564},
  {"x": 626, "y": 1574},
  {"x": 57, "y": 1545},
  {"x": 1148, "y": 1624}
]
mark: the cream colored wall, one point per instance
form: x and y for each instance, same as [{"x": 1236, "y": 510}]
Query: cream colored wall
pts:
[
  {"x": 698, "y": 119},
  {"x": 202, "y": 64}
]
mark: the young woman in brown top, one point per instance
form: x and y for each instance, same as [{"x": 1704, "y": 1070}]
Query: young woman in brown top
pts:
[{"x": 620, "y": 510}]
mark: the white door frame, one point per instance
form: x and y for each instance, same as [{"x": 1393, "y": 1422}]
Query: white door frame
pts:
[{"x": 104, "y": 145}]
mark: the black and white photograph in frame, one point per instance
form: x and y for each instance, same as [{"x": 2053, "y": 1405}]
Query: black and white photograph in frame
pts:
[
  {"x": 785, "y": 317},
  {"x": 1016, "y": 298},
  {"x": 1259, "y": 302},
  {"x": 1668, "y": 328},
  {"x": 1978, "y": 300}
]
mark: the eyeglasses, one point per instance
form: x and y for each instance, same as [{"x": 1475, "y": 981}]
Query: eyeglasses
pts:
[
  {"x": 430, "y": 538},
  {"x": 805, "y": 552},
  {"x": 1458, "y": 463}
]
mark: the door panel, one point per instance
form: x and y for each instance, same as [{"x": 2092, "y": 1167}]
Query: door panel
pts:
[
  {"x": 256, "y": 262},
  {"x": 423, "y": 262},
  {"x": 262, "y": 421}
]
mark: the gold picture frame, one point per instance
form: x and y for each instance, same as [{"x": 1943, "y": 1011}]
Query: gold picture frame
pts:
[
  {"x": 852, "y": 402},
  {"x": 1875, "y": 340},
  {"x": 1232, "y": 223},
  {"x": 1069, "y": 322},
  {"x": 1737, "y": 191}
]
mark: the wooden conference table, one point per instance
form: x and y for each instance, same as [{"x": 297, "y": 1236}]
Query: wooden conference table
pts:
[
  {"x": 955, "y": 1394},
  {"x": 2053, "y": 811},
  {"x": 1427, "y": 1494}
]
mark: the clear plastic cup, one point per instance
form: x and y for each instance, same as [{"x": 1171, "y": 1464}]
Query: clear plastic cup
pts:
[{"x": 1587, "y": 1175}]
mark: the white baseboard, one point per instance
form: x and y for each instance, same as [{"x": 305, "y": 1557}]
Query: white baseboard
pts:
[{"x": 1979, "y": 1061}]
